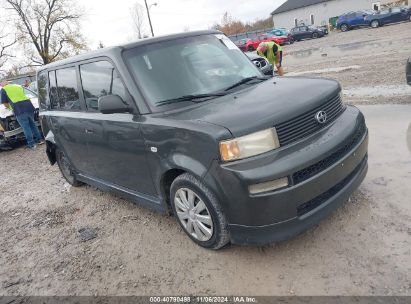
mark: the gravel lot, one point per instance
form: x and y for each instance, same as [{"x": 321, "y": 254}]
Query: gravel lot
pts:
[{"x": 362, "y": 249}]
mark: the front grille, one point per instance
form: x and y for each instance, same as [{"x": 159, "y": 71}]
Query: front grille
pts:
[
  {"x": 306, "y": 124},
  {"x": 322, "y": 198},
  {"x": 316, "y": 168}
]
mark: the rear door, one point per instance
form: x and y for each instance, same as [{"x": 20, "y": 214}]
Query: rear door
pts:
[
  {"x": 297, "y": 33},
  {"x": 115, "y": 143},
  {"x": 65, "y": 117},
  {"x": 395, "y": 15}
]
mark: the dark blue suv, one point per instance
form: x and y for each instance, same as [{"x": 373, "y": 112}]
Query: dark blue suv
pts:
[{"x": 352, "y": 20}]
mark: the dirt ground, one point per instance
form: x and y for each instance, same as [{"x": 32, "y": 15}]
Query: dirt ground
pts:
[{"x": 364, "y": 248}]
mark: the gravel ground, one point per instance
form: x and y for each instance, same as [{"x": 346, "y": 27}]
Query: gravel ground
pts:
[{"x": 59, "y": 240}]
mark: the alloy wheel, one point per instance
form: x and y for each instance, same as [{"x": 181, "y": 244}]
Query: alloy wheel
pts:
[
  {"x": 374, "y": 24},
  {"x": 193, "y": 214}
]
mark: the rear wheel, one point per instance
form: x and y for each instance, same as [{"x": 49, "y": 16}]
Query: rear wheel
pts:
[
  {"x": 198, "y": 212},
  {"x": 66, "y": 168},
  {"x": 315, "y": 35},
  {"x": 344, "y": 27},
  {"x": 375, "y": 24},
  {"x": 251, "y": 48}
]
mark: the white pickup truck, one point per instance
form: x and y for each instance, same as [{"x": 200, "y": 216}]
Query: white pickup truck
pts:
[{"x": 10, "y": 130}]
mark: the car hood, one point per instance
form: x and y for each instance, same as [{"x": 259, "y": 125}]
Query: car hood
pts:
[
  {"x": 252, "y": 56},
  {"x": 4, "y": 112},
  {"x": 264, "y": 105}
]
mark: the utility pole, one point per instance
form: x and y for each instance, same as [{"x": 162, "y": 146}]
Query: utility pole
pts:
[{"x": 149, "y": 18}]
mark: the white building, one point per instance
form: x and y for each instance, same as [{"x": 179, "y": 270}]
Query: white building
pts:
[{"x": 319, "y": 12}]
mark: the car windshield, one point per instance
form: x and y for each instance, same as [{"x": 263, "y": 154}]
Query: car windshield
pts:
[
  {"x": 30, "y": 94},
  {"x": 190, "y": 66}
]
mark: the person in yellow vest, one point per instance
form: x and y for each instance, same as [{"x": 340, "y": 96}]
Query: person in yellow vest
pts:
[
  {"x": 274, "y": 54},
  {"x": 13, "y": 97}
]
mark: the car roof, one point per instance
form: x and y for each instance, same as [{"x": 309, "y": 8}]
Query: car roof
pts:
[{"x": 114, "y": 50}]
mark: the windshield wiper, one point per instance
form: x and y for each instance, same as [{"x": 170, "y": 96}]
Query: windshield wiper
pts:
[
  {"x": 246, "y": 80},
  {"x": 192, "y": 97}
]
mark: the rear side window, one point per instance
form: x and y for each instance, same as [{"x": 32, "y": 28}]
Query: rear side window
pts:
[
  {"x": 42, "y": 84},
  {"x": 67, "y": 89},
  {"x": 53, "y": 91},
  {"x": 99, "y": 79}
]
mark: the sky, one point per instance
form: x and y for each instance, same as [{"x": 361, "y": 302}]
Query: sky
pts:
[{"x": 110, "y": 21}]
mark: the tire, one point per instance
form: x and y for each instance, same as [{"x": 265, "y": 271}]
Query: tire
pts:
[
  {"x": 66, "y": 169},
  {"x": 187, "y": 213},
  {"x": 344, "y": 27},
  {"x": 251, "y": 48},
  {"x": 375, "y": 24},
  {"x": 315, "y": 35}
]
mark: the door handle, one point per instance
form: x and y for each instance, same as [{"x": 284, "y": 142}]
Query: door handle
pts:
[{"x": 89, "y": 131}]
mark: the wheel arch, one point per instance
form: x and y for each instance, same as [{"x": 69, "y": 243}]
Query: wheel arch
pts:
[
  {"x": 51, "y": 147},
  {"x": 178, "y": 165}
]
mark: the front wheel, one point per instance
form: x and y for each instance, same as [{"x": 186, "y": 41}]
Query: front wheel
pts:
[
  {"x": 198, "y": 212},
  {"x": 66, "y": 168},
  {"x": 251, "y": 48},
  {"x": 315, "y": 35},
  {"x": 344, "y": 27},
  {"x": 375, "y": 23}
]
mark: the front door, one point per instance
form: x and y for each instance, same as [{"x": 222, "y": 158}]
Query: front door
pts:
[{"x": 115, "y": 145}]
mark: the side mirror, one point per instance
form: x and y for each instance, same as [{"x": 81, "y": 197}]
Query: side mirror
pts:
[
  {"x": 111, "y": 104},
  {"x": 408, "y": 71}
]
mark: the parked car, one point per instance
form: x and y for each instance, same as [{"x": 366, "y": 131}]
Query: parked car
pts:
[
  {"x": 261, "y": 63},
  {"x": 281, "y": 40},
  {"x": 279, "y": 32},
  {"x": 323, "y": 28},
  {"x": 250, "y": 44},
  {"x": 244, "y": 44},
  {"x": 306, "y": 32},
  {"x": 387, "y": 16},
  {"x": 283, "y": 34},
  {"x": 10, "y": 130},
  {"x": 235, "y": 156},
  {"x": 353, "y": 20},
  {"x": 408, "y": 71}
]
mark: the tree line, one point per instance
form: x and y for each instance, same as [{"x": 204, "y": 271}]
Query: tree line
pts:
[{"x": 231, "y": 26}]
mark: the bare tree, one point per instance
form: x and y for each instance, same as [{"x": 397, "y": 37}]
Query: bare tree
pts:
[
  {"x": 138, "y": 17},
  {"x": 50, "y": 26},
  {"x": 5, "y": 45}
]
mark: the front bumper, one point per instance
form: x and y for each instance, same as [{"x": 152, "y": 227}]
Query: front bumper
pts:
[
  {"x": 15, "y": 132},
  {"x": 327, "y": 203},
  {"x": 323, "y": 170}
]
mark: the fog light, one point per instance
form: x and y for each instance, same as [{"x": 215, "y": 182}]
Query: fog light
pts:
[{"x": 268, "y": 186}]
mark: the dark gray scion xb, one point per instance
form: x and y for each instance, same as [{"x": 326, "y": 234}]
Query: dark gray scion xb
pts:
[{"x": 187, "y": 124}]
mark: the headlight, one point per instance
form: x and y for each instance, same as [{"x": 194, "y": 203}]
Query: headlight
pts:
[{"x": 249, "y": 145}]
